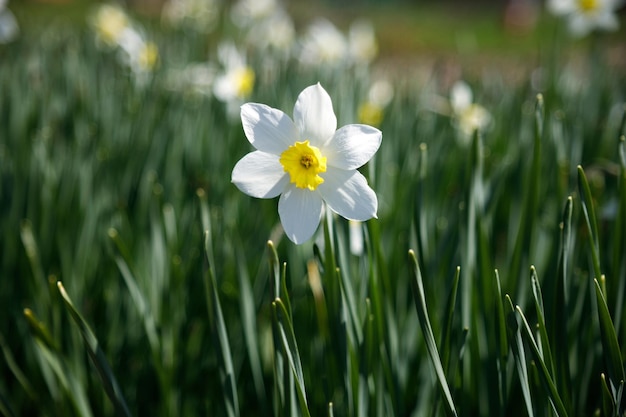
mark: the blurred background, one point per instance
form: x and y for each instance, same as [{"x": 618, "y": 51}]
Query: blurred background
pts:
[{"x": 500, "y": 32}]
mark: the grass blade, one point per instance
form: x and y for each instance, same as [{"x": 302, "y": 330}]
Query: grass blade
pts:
[
  {"x": 288, "y": 341},
  {"x": 610, "y": 345},
  {"x": 544, "y": 374},
  {"x": 590, "y": 219},
  {"x": 96, "y": 355},
  {"x": 218, "y": 326},
  {"x": 417, "y": 288},
  {"x": 517, "y": 346}
]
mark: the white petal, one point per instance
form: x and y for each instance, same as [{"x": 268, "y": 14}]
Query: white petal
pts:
[
  {"x": 561, "y": 7},
  {"x": 347, "y": 194},
  {"x": 607, "y": 20},
  {"x": 460, "y": 96},
  {"x": 314, "y": 116},
  {"x": 579, "y": 25},
  {"x": 260, "y": 175},
  {"x": 352, "y": 146},
  {"x": 300, "y": 212},
  {"x": 267, "y": 129}
]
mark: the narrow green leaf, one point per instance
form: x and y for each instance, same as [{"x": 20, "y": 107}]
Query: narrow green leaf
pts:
[
  {"x": 290, "y": 349},
  {"x": 448, "y": 318},
  {"x": 560, "y": 312},
  {"x": 501, "y": 319},
  {"x": 216, "y": 318},
  {"x": 610, "y": 346},
  {"x": 542, "y": 369},
  {"x": 140, "y": 303},
  {"x": 546, "y": 351},
  {"x": 248, "y": 320},
  {"x": 97, "y": 357},
  {"x": 274, "y": 270},
  {"x": 517, "y": 346},
  {"x": 608, "y": 403},
  {"x": 590, "y": 219},
  {"x": 417, "y": 288},
  {"x": 347, "y": 299}
]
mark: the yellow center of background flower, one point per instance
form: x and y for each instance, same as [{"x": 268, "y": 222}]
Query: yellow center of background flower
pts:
[
  {"x": 588, "y": 5},
  {"x": 245, "y": 82},
  {"x": 303, "y": 163},
  {"x": 149, "y": 56},
  {"x": 110, "y": 23},
  {"x": 370, "y": 114}
]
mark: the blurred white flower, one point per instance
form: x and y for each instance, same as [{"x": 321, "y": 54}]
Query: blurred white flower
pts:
[
  {"x": 109, "y": 22},
  {"x": 8, "y": 24},
  {"x": 371, "y": 111},
  {"x": 275, "y": 33},
  {"x": 235, "y": 83},
  {"x": 140, "y": 55},
  {"x": 468, "y": 116},
  {"x": 246, "y": 12},
  {"x": 115, "y": 29},
  {"x": 362, "y": 44},
  {"x": 586, "y": 15},
  {"x": 323, "y": 44},
  {"x": 308, "y": 162},
  {"x": 201, "y": 15}
]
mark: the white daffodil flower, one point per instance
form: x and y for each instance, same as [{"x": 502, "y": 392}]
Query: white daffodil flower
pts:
[
  {"x": 586, "y": 15},
  {"x": 276, "y": 33},
  {"x": 110, "y": 23},
  {"x": 236, "y": 81},
  {"x": 323, "y": 44},
  {"x": 469, "y": 116},
  {"x": 362, "y": 43},
  {"x": 308, "y": 162},
  {"x": 140, "y": 55}
]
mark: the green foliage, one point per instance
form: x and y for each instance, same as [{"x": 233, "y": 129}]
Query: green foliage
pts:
[{"x": 180, "y": 295}]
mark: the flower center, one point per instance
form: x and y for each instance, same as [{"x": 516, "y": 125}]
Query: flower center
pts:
[
  {"x": 303, "y": 163},
  {"x": 588, "y": 5},
  {"x": 149, "y": 56},
  {"x": 245, "y": 82},
  {"x": 370, "y": 114}
]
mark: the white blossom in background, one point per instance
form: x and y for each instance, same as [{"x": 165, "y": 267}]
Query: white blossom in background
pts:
[
  {"x": 246, "y": 12},
  {"x": 9, "y": 28},
  {"x": 276, "y": 33},
  {"x": 308, "y": 162},
  {"x": 235, "y": 81},
  {"x": 323, "y": 44},
  {"x": 584, "y": 16},
  {"x": 116, "y": 30},
  {"x": 379, "y": 95},
  {"x": 362, "y": 44},
  {"x": 141, "y": 55},
  {"x": 109, "y": 22},
  {"x": 468, "y": 116},
  {"x": 201, "y": 15}
]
